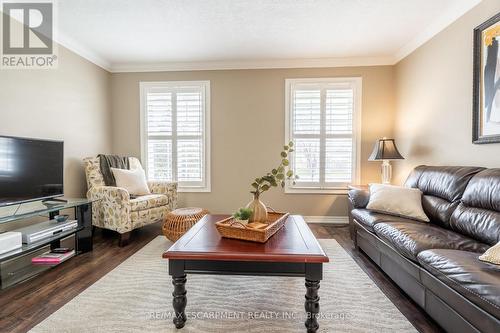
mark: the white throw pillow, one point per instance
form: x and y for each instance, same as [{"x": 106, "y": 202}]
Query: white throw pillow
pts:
[
  {"x": 134, "y": 181},
  {"x": 397, "y": 200},
  {"x": 492, "y": 255}
]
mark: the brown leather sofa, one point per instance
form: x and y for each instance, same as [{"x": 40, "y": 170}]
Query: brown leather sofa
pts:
[{"x": 437, "y": 263}]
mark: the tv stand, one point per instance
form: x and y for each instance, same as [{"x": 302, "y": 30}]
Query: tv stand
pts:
[
  {"x": 57, "y": 200},
  {"x": 16, "y": 266}
]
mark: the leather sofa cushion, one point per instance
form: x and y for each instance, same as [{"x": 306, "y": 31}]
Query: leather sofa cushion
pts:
[
  {"x": 483, "y": 190},
  {"x": 414, "y": 176},
  {"x": 445, "y": 182},
  {"x": 442, "y": 188},
  {"x": 411, "y": 238},
  {"x": 477, "y": 223},
  {"x": 369, "y": 218},
  {"x": 438, "y": 210},
  {"x": 478, "y": 216},
  {"x": 477, "y": 281}
]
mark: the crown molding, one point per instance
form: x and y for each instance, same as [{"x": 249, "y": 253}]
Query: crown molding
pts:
[
  {"x": 436, "y": 27},
  {"x": 252, "y": 64},
  {"x": 63, "y": 40},
  {"x": 84, "y": 52}
]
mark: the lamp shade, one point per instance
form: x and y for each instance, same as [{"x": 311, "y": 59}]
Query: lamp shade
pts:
[{"x": 385, "y": 149}]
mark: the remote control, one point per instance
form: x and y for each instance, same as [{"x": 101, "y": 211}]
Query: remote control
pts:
[{"x": 61, "y": 250}]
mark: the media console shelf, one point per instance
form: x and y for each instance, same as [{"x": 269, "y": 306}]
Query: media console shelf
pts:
[{"x": 16, "y": 266}]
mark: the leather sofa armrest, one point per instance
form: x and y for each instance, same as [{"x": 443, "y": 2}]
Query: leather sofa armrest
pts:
[{"x": 359, "y": 198}]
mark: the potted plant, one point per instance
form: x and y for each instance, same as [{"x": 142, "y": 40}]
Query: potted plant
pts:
[
  {"x": 277, "y": 177},
  {"x": 243, "y": 215}
]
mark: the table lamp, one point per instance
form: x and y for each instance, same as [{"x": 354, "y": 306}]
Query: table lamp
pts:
[{"x": 385, "y": 150}]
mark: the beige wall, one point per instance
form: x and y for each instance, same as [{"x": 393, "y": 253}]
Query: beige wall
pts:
[
  {"x": 434, "y": 99},
  {"x": 425, "y": 101},
  {"x": 247, "y": 131},
  {"x": 70, "y": 103}
]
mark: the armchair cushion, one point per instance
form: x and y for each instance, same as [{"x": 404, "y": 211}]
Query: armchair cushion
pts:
[
  {"x": 133, "y": 180},
  {"x": 148, "y": 201}
]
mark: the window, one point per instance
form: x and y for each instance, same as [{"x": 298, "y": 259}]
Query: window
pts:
[
  {"x": 175, "y": 125},
  {"x": 323, "y": 121}
]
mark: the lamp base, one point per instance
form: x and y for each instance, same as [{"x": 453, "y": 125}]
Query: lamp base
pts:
[{"x": 386, "y": 172}]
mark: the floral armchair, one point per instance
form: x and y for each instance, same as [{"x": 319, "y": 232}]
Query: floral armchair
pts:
[{"x": 114, "y": 209}]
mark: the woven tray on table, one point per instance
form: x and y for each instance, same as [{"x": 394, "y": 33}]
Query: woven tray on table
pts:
[{"x": 230, "y": 228}]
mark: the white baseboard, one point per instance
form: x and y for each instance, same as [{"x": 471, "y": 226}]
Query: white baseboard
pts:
[{"x": 327, "y": 219}]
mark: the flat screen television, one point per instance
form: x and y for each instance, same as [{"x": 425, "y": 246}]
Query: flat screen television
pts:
[{"x": 30, "y": 169}]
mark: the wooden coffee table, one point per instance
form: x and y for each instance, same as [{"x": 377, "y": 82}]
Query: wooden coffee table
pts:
[{"x": 292, "y": 251}]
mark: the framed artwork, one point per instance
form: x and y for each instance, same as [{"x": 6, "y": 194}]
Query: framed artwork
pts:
[{"x": 486, "y": 93}]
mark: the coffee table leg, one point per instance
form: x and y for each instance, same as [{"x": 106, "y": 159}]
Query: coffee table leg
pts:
[
  {"x": 180, "y": 300},
  {"x": 312, "y": 305}
]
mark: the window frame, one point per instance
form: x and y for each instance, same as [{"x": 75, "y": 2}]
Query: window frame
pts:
[
  {"x": 144, "y": 87},
  {"x": 357, "y": 84}
]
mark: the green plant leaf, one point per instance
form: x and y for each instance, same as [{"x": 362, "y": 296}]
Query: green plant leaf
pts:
[
  {"x": 280, "y": 176},
  {"x": 245, "y": 213},
  {"x": 255, "y": 185},
  {"x": 285, "y": 147},
  {"x": 283, "y": 154},
  {"x": 268, "y": 178},
  {"x": 281, "y": 169},
  {"x": 290, "y": 143},
  {"x": 289, "y": 173},
  {"x": 291, "y": 151},
  {"x": 285, "y": 162},
  {"x": 265, "y": 187},
  {"x": 283, "y": 184},
  {"x": 274, "y": 171}
]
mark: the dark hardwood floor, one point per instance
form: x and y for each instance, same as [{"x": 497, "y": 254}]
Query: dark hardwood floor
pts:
[{"x": 28, "y": 303}]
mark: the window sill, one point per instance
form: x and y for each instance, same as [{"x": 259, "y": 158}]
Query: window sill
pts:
[
  {"x": 337, "y": 191},
  {"x": 194, "y": 190}
]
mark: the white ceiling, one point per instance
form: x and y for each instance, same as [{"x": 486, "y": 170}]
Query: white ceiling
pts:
[{"x": 130, "y": 35}]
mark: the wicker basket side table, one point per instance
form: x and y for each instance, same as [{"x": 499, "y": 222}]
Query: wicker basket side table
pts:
[{"x": 179, "y": 221}]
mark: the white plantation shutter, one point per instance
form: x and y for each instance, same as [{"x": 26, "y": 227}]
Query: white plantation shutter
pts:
[
  {"x": 322, "y": 122},
  {"x": 190, "y": 137},
  {"x": 307, "y": 159},
  {"x": 175, "y": 132},
  {"x": 339, "y": 109},
  {"x": 159, "y": 129},
  {"x": 159, "y": 163},
  {"x": 189, "y": 160},
  {"x": 307, "y": 112}
]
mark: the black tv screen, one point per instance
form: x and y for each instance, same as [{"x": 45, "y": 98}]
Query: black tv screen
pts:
[{"x": 30, "y": 169}]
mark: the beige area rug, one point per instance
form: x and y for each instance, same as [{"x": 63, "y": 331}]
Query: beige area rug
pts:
[{"x": 136, "y": 297}]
